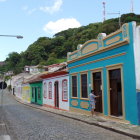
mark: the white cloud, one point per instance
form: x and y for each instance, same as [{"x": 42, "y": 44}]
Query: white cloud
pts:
[
  {"x": 52, "y": 9},
  {"x": 2, "y": 0},
  {"x": 25, "y": 8},
  {"x": 29, "y": 11},
  {"x": 60, "y": 25}
]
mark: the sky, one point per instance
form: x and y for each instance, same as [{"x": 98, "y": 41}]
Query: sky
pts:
[{"x": 43, "y": 18}]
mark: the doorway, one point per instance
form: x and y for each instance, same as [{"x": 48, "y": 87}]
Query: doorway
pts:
[
  {"x": 97, "y": 86},
  {"x": 35, "y": 94},
  {"x": 115, "y": 88},
  {"x": 56, "y": 92}
]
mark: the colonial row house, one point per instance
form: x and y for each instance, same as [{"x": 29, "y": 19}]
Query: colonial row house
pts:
[
  {"x": 56, "y": 89},
  {"x": 110, "y": 65},
  {"x": 33, "y": 86},
  {"x": 36, "y": 91},
  {"x": 17, "y": 82},
  {"x": 50, "y": 89},
  {"x": 31, "y": 81}
]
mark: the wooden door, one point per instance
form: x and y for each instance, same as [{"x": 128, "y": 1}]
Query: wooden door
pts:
[
  {"x": 56, "y": 90},
  {"x": 35, "y": 94},
  {"x": 13, "y": 91},
  {"x": 97, "y": 85},
  {"x": 115, "y": 92}
]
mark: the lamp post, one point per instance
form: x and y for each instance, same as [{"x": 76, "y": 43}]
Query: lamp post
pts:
[
  {"x": 3, "y": 78},
  {"x": 17, "y": 36}
]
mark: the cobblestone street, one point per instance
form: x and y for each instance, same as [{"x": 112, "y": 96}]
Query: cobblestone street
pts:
[{"x": 25, "y": 123}]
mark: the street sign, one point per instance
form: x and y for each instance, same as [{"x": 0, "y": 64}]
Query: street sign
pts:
[{"x": 3, "y": 85}]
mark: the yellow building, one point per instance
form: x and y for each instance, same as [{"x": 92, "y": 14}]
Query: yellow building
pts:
[{"x": 26, "y": 93}]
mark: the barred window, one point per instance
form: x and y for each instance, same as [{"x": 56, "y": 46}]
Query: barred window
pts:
[
  {"x": 84, "y": 92},
  {"x": 74, "y": 86},
  {"x": 65, "y": 90},
  {"x": 50, "y": 90},
  {"x": 45, "y": 89},
  {"x": 39, "y": 93}
]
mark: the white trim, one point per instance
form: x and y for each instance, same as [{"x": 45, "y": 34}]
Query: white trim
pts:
[
  {"x": 136, "y": 44},
  {"x": 55, "y": 77}
]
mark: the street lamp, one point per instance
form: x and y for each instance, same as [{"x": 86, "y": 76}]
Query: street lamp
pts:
[{"x": 17, "y": 36}]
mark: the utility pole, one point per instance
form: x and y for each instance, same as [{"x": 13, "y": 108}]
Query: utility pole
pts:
[
  {"x": 1, "y": 93},
  {"x": 132, "y": 6},
  {"x": 104, "y": 11}
]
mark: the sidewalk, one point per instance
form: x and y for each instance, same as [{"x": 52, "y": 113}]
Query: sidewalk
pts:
[{"x": 125, "y": 129}]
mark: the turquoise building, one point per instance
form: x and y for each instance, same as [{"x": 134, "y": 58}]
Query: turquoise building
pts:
[{"x": 110, "y": 65}]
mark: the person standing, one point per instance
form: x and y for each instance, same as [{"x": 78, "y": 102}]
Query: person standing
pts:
[{"x": 92, "y": 101}]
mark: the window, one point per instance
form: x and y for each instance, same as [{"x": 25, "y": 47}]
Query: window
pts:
[
  {"x": 65, "y": 90},
  {"x": 50, "y": 90},
  {"x": 45, "y": 90},
  {"x": 39, "y": 93},
  {"x": 84, "y": 93},
  {"x": 74, "y": 86}
]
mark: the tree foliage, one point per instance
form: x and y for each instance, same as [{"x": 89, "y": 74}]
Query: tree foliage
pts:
[{"x": 46, "y": 51}]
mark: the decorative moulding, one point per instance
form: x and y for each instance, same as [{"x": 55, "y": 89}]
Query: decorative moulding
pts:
[
  {"x": 84, "y": 105},
  {"x": 74, "y": 103},
  {"x": 103, "y": 41}
]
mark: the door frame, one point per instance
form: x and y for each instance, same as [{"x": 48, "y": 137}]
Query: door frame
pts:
[
  {"x": 55, "y": 95},
  {"x": 113, "y": 67},
  {"x": 94, "y": 71}
]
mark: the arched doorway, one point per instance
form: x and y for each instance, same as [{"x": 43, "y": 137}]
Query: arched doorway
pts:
[{"x": 56, "y": 94}]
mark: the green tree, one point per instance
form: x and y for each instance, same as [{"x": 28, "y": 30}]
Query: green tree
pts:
[{"x": 46, "y": 51}]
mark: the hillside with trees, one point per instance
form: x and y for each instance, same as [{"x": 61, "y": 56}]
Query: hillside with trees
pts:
[{"x": 46, "y": 51}]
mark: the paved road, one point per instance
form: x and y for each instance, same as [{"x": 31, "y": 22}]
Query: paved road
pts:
[{"x": 25, "y": 123}]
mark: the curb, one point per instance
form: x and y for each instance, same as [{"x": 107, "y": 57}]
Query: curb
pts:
[{"x": 134, "y": 136}]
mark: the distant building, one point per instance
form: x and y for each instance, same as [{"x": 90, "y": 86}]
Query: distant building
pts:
[
  {"x": 34, "y": 69},
  {"x": 49, "y": 68},
  {"x": 9, "y": 73},
  {"x": 2, "y": 63},
  {"x": 16, "y": 83}
]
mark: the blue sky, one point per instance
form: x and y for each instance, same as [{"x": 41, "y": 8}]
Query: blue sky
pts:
[{"x": 37, "y": 18}]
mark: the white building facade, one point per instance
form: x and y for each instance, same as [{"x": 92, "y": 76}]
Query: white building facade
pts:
[{"x": 56, "y": 90}]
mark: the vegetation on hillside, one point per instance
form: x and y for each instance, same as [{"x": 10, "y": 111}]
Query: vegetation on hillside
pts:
[{"x": 46, "y": 51}]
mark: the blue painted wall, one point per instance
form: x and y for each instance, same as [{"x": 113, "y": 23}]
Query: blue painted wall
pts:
[
  {"x": 130, "y": 96},
  {"x": 138, "y": 103}
]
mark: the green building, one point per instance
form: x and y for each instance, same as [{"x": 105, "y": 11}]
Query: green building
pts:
[{"x": 36, "y": 92}]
